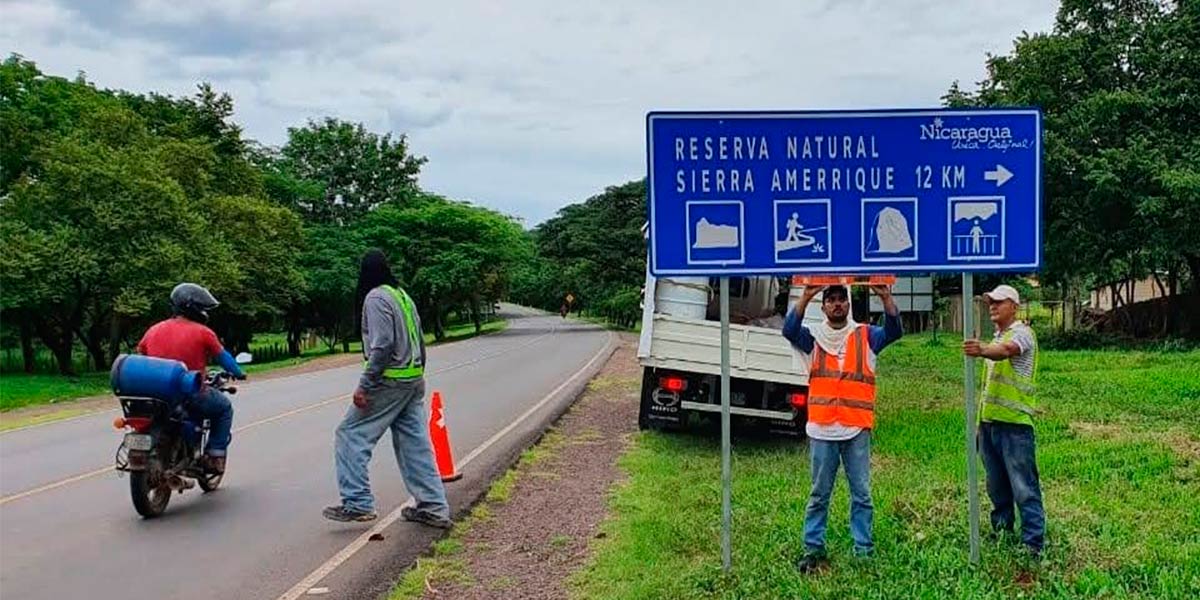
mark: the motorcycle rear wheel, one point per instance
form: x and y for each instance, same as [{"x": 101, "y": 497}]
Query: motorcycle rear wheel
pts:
[{"x": 149, "y": 500}]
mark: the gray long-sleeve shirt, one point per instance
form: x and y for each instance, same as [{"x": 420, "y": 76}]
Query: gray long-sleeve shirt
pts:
[{"x": 385, "y": 337}]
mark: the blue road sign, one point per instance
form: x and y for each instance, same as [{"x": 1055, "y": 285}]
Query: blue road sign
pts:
[{"x": 844, "y": 192}]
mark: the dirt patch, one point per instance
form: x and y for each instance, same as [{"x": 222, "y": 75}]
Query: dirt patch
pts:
[
  {"x": 1182, "y": 442},
  {"x": 526, "y": 541}
]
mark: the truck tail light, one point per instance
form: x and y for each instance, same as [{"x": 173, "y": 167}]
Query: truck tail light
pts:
[
  {"x": 673, "y": 384},
  {"x": 798, "y": 399}
]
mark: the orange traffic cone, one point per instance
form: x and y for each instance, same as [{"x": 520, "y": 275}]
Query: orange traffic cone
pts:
[{"x": 440, "y": 437}]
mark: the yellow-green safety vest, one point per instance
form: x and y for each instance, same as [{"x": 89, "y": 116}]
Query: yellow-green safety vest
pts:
[
  {"x": 414, "y": 369},
  {"x": 1009, "y": 397}
]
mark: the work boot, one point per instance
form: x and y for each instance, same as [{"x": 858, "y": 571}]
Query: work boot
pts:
[
  {"x": 425, "y": 517},
  {"x": 812, "y": 562},
  {"x": 214, "y": 464},
  {"x": 1002, "y": 532},
  {"x": 343, "y": 514}
]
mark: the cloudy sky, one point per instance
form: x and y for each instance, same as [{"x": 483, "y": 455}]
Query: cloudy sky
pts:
[{"x": 521, "y": 106}]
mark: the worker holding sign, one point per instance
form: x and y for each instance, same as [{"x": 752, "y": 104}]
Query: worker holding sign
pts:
[
  {"x": 1006, "y": 438},
  {"x": 841, "y": 409}
]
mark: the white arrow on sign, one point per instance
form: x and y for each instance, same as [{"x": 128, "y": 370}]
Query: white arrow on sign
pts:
[{"x": 1000, "y": 175}]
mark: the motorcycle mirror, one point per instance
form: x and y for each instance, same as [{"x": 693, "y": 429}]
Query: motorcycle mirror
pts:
[{"x": 244, "y": 358}]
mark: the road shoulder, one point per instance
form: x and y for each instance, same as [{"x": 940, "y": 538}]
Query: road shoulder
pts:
[{"x": 533, "y": 529}]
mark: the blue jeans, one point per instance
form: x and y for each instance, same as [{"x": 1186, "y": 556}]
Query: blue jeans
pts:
[
  {"x": 1012, "y": 480},
  {"x": 213, "y": 404},
  {"x": 399, "y": 406},
  {"x": 855, "y": 453}
]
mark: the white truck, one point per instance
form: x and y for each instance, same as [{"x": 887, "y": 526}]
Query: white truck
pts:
[{"x": 680, "y": 354}]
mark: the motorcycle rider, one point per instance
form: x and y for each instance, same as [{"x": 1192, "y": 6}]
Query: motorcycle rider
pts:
[{"x": 186, "y": 338}]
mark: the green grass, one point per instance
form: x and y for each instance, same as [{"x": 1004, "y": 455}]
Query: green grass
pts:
[
  {"x": 19, "y": 390},
  {"x": 605, "y": 323},
  {"x": 467, "y": 330},
  {"x": 1118, "y": 451}
]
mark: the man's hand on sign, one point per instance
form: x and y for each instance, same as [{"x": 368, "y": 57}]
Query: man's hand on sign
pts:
[
  {"x": 811, "y": 291},
  {"x": 972, "y": 348},
  {"x": 885, "y": 294}
]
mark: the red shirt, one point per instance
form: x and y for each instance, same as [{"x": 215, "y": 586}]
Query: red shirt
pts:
[{"x": 179, "y": 339}]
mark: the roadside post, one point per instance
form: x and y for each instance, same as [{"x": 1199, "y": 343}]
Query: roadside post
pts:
[
  {"x": 914, "y": 191},
  {"x": 972, "y": 420}
]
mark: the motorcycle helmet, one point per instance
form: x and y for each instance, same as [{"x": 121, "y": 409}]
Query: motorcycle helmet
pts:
[{"x": 193, "y": 302}]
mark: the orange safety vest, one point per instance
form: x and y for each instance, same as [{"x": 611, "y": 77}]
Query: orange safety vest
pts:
[{"x": 843, "y": 394}]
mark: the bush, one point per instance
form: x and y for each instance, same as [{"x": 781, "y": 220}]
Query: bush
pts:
[
  {"x": 1090, "y": 339},
  {"x": 1082, "y": 338},
  {"x": 623, "y": 309},
  {"x": 1176, "y": 345}
]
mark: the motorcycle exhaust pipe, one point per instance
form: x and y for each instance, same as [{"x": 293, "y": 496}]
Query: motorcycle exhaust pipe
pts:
[{"x": 180, "y": 484}]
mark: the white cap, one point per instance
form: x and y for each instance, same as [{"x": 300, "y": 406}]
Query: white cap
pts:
[{"x": 1003, "y": 292}]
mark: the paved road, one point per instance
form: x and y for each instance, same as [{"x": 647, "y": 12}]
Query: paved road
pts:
[{"x": 68, "y": 530}]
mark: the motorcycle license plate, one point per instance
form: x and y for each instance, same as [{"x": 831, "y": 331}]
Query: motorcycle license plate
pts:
[{"x": 138, "y": 441}]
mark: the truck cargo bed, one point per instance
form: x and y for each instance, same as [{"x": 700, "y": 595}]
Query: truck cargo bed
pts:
[{"x": 694, "y": 346}]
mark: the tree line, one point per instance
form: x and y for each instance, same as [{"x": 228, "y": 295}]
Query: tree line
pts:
[
  {"x": 593, "y": 250},
  {"x": 1119, "y": 87},
  {"x": 109, "y": 198}
]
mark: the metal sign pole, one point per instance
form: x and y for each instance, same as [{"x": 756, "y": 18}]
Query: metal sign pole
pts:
[
  {"x": 726, "y": 477},
  {"x": 968, "y": 284}
]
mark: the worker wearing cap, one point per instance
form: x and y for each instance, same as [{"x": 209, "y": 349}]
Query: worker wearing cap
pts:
[
  {"x": 1006, "y": 439},
  {"x": 841, "y": 410}
]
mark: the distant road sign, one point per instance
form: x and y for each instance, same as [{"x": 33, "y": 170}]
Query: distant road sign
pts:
[{"x": 844, "y": 192}]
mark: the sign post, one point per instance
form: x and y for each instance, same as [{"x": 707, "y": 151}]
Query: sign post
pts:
[
  {"x": 726, "y": 475},
  {"x": 968, "y": 286},
  {"x": 843, "y": 193}
]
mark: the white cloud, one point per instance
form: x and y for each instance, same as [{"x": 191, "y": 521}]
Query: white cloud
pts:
[{"x": 522, "y": 106}]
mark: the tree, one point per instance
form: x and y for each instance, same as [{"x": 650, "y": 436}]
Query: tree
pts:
[
  {"x": 265, "y": 240},
  {"x": 34, "y": 110},
  {"x": 536, "y": 283},
  {"x": 597, "y": 247},
  {"x": 450, "y": 254},
  {"x": 282, "y": 185},
  {"x": 99, "y": 235},
  {"x": 1119, "y": 85},
  {"x": 206, "y": 117},
  {"x": 330, "y": 264},
  {"x": 357, "y": 170}
]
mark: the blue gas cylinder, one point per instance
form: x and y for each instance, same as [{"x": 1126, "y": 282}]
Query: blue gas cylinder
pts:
[{"x": 134, "y": 375}]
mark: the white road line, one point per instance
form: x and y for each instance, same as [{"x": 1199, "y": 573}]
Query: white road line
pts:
[
  {"x": 323, "y": 571},
  {"x": 56, "y": 484},
  {"x": 343, "y": 397}
]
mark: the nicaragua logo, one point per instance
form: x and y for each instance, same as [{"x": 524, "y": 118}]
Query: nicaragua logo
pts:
[{"x": 938, "y": 131}]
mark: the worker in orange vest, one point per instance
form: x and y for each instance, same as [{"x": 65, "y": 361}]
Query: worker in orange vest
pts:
[{"x": 841, "y": 409}]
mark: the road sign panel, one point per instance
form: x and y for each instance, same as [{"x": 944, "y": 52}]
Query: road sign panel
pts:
[{"x": 844, "y": 192}]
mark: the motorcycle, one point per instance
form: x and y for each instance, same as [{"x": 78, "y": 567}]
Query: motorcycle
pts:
[{"x": 163, "y": 449}]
